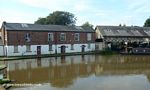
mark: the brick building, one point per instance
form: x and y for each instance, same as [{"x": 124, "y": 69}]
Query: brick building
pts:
[{"x": 32, "y": 39}]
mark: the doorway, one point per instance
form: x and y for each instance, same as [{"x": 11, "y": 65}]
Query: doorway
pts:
[
  {"x": 38, "y": 51},
  {"x": 83, "y": 48},
  {"x": 63, "y": 49}
]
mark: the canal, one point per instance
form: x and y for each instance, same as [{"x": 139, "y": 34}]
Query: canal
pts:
[{"x": 89, "y": 72}]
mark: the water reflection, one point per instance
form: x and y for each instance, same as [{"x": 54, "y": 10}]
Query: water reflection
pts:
[{"x": 64, "y": 71}]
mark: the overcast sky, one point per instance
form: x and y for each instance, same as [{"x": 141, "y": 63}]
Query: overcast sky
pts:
[{"x": 97, "y": 12}]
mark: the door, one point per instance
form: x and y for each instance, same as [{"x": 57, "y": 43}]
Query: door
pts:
[
  {"x": 38, "y": 51},
  {"x": 83, "y": 48},
  {"x": 63, "y": 49}
]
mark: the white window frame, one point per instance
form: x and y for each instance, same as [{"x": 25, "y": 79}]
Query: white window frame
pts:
[
  {"x": 89, "y": 36},
  {"x": 62, "y": 36},
  {"x": 50, "y": 37},
  {"x": 76, "y": 36}
]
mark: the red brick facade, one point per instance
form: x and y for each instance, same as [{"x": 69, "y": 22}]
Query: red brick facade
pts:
[{"x": 41, "y": 37}]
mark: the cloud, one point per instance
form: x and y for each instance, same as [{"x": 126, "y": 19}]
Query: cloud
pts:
[
  {"x": 143, "y": 9},
  {"x": 133, "y": 4},
  {"x": 11, "y": 15},
  {"x": 94, "y": 11},
  {"x": 141, "y": 6},
  {"x": 54, "y": 5},
  {"x": 133, "y": 13},
  {"x": 81, "y": 8},
  {"x": 51, "y": 5}
]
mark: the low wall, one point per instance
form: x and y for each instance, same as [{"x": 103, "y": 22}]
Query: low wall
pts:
[
  {"x": 1, "y": 50},
  {"x": 45, "y": 49}
]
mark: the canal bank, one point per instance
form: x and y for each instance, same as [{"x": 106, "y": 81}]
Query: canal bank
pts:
[
  {"x": 2, "y": 88},
  {"x": 106, "y": 52},
  {"x": 4, "y": 81},
  {"x": 45, "y": 55}
]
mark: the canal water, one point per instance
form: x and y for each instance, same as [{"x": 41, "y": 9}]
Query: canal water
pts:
[{"x": 89, "y": 72}]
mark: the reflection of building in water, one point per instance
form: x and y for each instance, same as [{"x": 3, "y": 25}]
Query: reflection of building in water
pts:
[
  {"x": 39, "y": 62},
  {"x": 63, "y": 74},
  {"x": 62, "y": 59}
]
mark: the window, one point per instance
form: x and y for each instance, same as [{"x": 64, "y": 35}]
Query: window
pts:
[
  {"x": 27, "y": 37},
  {"x": 72, "y": 47},
  {"x": 76, "y": 36},
  {"x": 28, "y": 48},
  {"x": 50, "y": 47},
  {"x": 50, "y": 37},
  {"x": 62, "y": 37},
  {"x": 89, "y": 46},
  {"x": 16, "y": 49},
  {"x": 89, "y": 36}
]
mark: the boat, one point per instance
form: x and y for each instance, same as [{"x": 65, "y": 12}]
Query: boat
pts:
[{"x": 137, "y": 51}]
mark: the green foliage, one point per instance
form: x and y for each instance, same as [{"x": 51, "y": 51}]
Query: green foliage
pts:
[
  {"x": 120, "y": 25},
  {"x": 41, "y": 21},
  {"x": 87, "y": 24},
  {"x": 108, "y": 51},
  {"x": 2, "y": 81},
  {"x": 58, "y": 18},
  {"x": 147, "y": 23}
]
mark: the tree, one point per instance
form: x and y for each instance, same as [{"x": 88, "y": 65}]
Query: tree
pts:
[
  {"x": 41, "y": 21},
  {"x": 58, "y": 18},
  {"x": 124, "y": 25},
  {"x": 120, "y": 25},
  {"x": 147, "y": 23},
  {"x": 87, "y": 24}
]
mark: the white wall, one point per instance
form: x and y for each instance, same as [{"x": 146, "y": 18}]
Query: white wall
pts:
[
  {"x": 1, "y": 76},
  {"x": 1, "y": 50},
  {"x": 22, "y": 50},
  {"x": 45, "y": 49},
  {"x": 77, "y": 47},
  {"x": 98, "y": 34}
]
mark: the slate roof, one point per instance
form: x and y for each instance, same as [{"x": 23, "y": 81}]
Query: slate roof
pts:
[
  {"x": 37, "y": 27},
  {"x": 124, "y": 31}
]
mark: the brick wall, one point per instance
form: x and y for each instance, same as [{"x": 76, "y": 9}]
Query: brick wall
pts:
[{"x": 37, "y": 38}]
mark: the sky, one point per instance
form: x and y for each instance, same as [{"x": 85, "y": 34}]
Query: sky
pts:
[{"x": 96, "y": 12}]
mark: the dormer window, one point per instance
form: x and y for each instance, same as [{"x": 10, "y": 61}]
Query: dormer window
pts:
[
  {"x": 24, "y": 25},
  {"x": 27, "y": 37}
]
